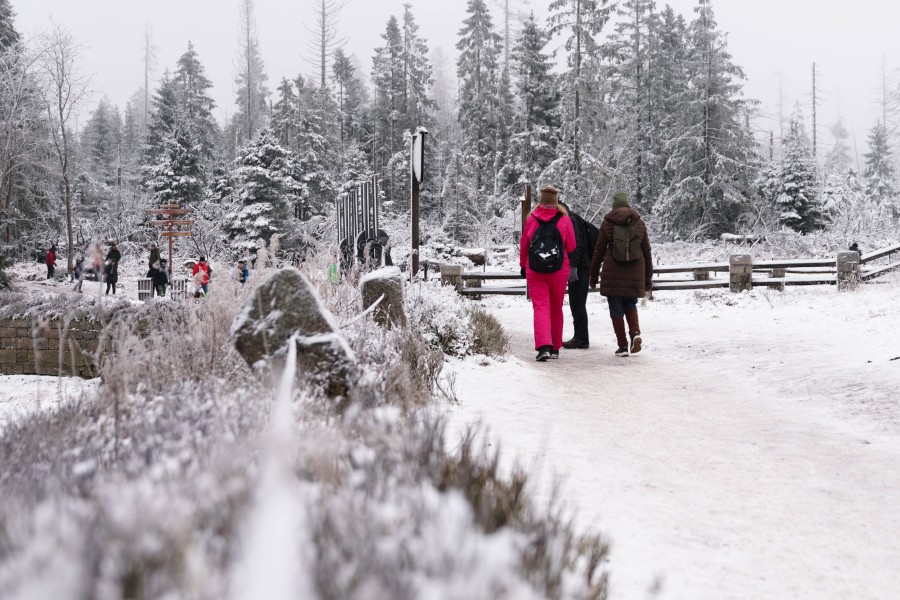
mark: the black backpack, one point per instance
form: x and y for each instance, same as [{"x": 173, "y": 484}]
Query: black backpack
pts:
[
  {"x": 545, "y": 253},
  {"x": 626, "y": 242}
]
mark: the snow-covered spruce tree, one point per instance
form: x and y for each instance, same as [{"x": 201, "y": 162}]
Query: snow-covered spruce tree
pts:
[
  {"x": 484, "y": 112},
  {"x": 631, "y": 73},
  {"x": 317, "y": 164},
  {"x": 846, "y": 207},
  {"x": 101, "y": 139},
  {"x": 351, "y": 100},
  {"x": 8, "y": 34},
  {"x": 388, "y": 83},
  {"x": 794, "y": 188},
  {"x": 712, "y": 159},
  {"x": 192, "y": 93},
  {"x": 880, "y": 172},
  {"x": 417, "y": 80},
  {"x": 838, "y": 161},
  {"x": 536, "y": 133},
  {"x": 266, "y": 190},
  {"x": 580, "y": 21},
  {"x": 178, "y": 175},
  {"x": 286, "y": 114}
]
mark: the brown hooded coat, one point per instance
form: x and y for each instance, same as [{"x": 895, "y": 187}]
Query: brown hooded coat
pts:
[{"x": 621, "y": 279}]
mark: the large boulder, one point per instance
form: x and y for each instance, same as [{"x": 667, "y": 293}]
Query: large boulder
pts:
[
  {"x": 387, "y": 282},
  {"x": 284, "y": 305}
]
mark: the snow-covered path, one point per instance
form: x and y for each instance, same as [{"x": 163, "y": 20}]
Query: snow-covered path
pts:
[{"x": 752, "y": 451}]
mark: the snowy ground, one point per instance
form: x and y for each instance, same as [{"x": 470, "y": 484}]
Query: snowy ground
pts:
[
  {"x": 752, "y": 450},
  {"x": 21, "y": 395}
]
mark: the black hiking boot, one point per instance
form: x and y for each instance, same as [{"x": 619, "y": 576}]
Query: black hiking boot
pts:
[
  {"x": 622, "y": 351},
  {"x": 575, "y": 344},
  {"x": 636, "y": 342},
  {"x": 554, "y": 354},
  {"x": 543, "y": 353}
]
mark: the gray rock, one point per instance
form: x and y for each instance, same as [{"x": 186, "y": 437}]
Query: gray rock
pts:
[
  {"x": 388, "y": 282},
  {"x": 285, "y": 305}
]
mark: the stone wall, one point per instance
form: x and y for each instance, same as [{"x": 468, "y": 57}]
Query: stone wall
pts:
[{"x": 50, "y": 347}]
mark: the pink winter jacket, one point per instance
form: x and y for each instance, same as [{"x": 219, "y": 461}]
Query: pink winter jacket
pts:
[{"x": 545, "y": 213}]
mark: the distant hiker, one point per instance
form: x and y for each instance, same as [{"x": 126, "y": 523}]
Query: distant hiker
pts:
[
  {"x": 50, "y": 260},
  {"x": 154, "y": 255},
  {"x": 243, "y": 272},
  {"x": 110, "y": 276},
  {"x": 547, "y": 240},
  {"x": 78, "y": 273},
  {"x": 97, "y": 261},
  {"x": 159, "y": 278},
  {"x": 586, "y": 234},
  {"x": 200, "y": 273},
  {"x": 115, "y": 256},
  {"x": 623, "y": 250}
]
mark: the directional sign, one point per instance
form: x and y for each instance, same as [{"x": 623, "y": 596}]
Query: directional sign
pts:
[{"x": 418, "y": 154}]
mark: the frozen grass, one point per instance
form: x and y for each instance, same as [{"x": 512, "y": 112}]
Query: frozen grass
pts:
[{"x": 148, "y": 490}]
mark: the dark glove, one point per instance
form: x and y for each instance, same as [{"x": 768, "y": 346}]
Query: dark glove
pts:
[
  {"x": 522, "y": 271},
  {"x": 593, "y": 281}
]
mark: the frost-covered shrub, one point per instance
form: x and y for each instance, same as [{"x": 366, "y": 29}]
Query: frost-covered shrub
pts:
[
  {"x": 443, "y": 317},
  {"x": 490, "y": 338}
]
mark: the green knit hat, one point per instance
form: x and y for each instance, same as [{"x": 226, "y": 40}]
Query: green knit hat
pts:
[{"x": 620, "y": 200}]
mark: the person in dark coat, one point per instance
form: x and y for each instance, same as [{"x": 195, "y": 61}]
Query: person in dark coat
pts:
[
  {"x": 586, "y": 234},
  {"x": 243, "y": 272},
  {"x": 110, "y": 276},
  {"x": 854, "y": 247},
  {"x": 159, "y": 277},
  {"x": 50, "y": 260},
  {"x": 622, "y": 283}
]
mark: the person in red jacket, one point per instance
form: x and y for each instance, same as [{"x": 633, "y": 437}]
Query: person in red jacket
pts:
[
  {"x": 51, "y": 261},
  {"x": 547, "y": 289},
  {"x": 200, "y": 273}
]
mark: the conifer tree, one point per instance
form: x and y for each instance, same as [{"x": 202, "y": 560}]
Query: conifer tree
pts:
[
  {"x": 265, "y": 189},
  {"x": 880, "y": 172},
  {"x": 478, "y": 69},
  {"x": 537, "y": 120},
  {"x": 286, "y": 114},
  {"x": 250, "y": 79},
  {"x": 838, "y": 161},
  {"x": 177, "y": 176},
  {"x": 712, "y": 160},
  {"x": 101, "y": 140},
  {"x": 580, "y": 21},
  {"x": 8, "y": 34},
  {"x": 192, "y": 93},
  {"x": 794, "y": 189}
]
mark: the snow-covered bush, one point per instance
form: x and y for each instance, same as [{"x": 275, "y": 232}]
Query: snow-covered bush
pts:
[
  {"x": 4, "y": 278},
  {"x": 443, "y": 317}
]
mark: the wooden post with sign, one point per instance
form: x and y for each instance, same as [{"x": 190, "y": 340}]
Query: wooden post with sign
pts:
[
  {"x": 171, "y": 226},
  {"x": 417, "y": 176}
]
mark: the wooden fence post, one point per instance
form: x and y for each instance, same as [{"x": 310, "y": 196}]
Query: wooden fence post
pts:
[
  {"x": 847, "y": 271},
  {"x": 452, "y": 275},
  {"x": 740, "y": 270}
]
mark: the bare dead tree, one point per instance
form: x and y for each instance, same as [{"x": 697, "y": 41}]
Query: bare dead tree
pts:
[
  {"x": 325, "y": 38},
  {"x": 65, "y": 89}
]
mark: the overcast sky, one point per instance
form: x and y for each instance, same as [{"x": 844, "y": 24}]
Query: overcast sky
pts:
[{"x": 766, "y": 37}]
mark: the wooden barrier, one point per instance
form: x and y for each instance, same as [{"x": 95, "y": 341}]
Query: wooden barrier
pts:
[
  {"x": 145, "y": 289},
  {"x": 845, "y": 271}
]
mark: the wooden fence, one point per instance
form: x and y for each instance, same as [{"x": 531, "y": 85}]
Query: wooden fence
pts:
[{"x": 846, "y": 270}]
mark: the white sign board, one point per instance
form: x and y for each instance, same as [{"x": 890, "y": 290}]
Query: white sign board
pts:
[{"x": 418, "y": 156}]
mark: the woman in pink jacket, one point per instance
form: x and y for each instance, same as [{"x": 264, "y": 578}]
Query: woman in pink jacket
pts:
[{"x": 547, "y": 285}]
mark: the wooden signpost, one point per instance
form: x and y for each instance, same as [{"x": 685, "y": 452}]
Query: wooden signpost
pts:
[{"x": 171, "y": 227}]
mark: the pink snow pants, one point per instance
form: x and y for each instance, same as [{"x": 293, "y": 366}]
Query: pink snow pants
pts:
[{"x": 547, "y": 291}]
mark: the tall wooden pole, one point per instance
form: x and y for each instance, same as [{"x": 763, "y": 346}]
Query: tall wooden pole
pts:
[{"x": 414, "y": 186}]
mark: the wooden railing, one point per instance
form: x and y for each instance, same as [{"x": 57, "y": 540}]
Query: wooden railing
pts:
[{"x": 740, "y": 273}]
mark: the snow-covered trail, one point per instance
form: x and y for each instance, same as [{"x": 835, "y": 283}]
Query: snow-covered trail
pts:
[{"x": 750, "y": 452}]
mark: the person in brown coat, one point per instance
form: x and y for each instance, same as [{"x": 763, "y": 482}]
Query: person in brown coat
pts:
[{"x": 621, "y": 281}]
